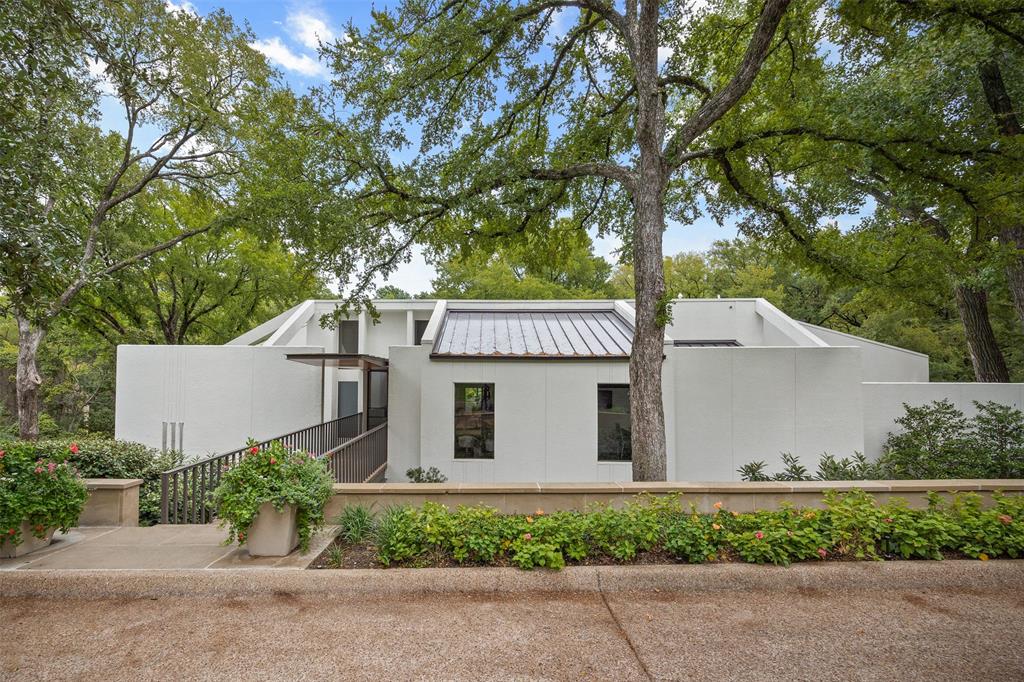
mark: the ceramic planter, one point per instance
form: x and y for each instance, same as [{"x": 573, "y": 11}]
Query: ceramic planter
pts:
[
  {"x": 274, "y": 532},
  {"x": 29, "y": 543}
]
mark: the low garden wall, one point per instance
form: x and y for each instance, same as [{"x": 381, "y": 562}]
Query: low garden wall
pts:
[
  {"x": 112, "y": 502},
  {"x": 525, "y": 498}
]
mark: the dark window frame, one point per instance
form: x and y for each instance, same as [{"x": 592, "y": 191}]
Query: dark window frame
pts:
[
  {"x": 342, "y": 347},
  {"x": 468, "y": 445},
  {"x": 419, "y": 328},
  {"x": 614, "y": 435}
]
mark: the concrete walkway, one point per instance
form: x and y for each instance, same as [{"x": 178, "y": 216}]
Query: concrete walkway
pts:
[
  {"x": 905, "y": 620},
  {"x": 155, "y": 547}
]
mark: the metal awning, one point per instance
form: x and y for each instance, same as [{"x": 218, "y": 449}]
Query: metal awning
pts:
[
  {"x": 536, "y": 334},
  {"x": 706, "y": 343},
  {"x": 355, "y": 360}
]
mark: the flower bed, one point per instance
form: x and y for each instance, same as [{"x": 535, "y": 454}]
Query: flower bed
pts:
[
  {"x": 38, "y": 494},
  {"x": 852, "y": 526}
]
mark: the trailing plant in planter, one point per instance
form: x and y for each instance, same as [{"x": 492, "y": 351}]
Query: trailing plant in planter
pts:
[
  {"x": 277, "y": 476},
  {"x": 43, "y": 492}
]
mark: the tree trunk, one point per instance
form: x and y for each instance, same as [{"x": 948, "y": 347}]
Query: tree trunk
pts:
[
  {"x": 27, "y": 378},
  {"x": 647, "y": 413},
  {"x": 987, "y": 358},
  {"x": 1013, "y": 238}
]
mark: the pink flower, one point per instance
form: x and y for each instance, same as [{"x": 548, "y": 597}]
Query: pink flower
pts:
[
  {"x": 2, "y": 453},
  {"x": 273, "y": 461},
  {"x": 887, "y": 520},
  {"x": 74, "y": 448},
  {"x": 527, "y": 536},
  {"x": 1005, "y": 520},
  {"x": 759, "y": 535},
  {"x": 822, "y": 553},
  {"x": 39, "y": 470},
  {"x": 51, "y": 467}
]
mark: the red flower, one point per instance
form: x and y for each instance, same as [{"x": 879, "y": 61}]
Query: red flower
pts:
[
  {"x": 12, "y": 531},
  {"x": 821, "y": 552},
  {"x": 887, "y": 520},
  {"x": 74, "y": 448},
  {"x": 273, "y": 461},
  {"x": 759, "y": 535},
  {"x": 254, "y": 449},
  {"x": 2, "y": 453},
  {"x": 1005, "y": 520}
]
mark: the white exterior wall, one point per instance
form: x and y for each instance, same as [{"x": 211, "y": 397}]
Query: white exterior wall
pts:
[
  {"x": 545, "y": 423},
  {"x": 223, "y": 394},
  {"x": 883, "y": 403},
  {"x": 880, "y": 361},
  {"x": 738, "y": 405},
  {"x": 717, "y": 319}
]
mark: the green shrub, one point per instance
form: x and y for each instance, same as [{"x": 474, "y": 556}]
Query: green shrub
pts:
[
  {"x": 695, "y": 537},
  {"x": 96, "y": 457},
  {"x": 421, "y": 475},
  {"x": 42, "y": 490},
  {"x": 936, "y": 441},
  {"x": 278, "y": 476}
]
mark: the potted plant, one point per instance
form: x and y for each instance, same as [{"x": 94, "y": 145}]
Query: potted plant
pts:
[
  {"x": 38, "y": 495},
  {"x": 274, "y": 499}
]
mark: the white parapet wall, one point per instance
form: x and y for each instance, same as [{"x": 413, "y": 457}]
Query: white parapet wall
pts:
[
  {"x": 210, "y": 399},
  {"x": 883, "y": 403}
]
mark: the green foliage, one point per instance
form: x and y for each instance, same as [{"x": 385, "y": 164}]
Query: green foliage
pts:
[
  {"x": 356, "y": 523},
  {"x": 421, "y": 475},
  {"x": 937, "y": 441},
  {"x": 43, "y": 490},
  {"x": 851, "y": 525},
  {"x": 278, "y": 476},
  {"x": 97, "y": 457}
]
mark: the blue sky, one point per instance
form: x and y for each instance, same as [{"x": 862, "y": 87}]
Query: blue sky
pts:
[{"x": 287, "y": 33}]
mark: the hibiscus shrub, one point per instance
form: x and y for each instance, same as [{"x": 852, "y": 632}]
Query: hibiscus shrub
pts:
[
  {"x": 44, "y": 491},
  {"x": 850, "y": 526},
  {"x": 279, "y": 476}
]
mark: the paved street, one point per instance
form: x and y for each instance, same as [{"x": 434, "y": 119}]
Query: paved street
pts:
[{"x": 251, "y": 625}]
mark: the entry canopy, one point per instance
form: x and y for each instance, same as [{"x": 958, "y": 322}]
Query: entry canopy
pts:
[
  {"x": 354, "y": 360},
  {"x": 541, "y": 334}
]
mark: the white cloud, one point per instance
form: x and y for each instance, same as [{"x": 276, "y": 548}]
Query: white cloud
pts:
[
  {"x": 664, "y": 54},
  {"x": 183, "y": 6},
  {"x": 309, "y": 29},
  {"x": 98, "y": 70},
  {"x": 280, "y": 54}
]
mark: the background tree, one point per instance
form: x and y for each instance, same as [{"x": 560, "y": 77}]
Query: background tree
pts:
[
  {"x": 517, "y": 121},
  {"x": 184, "y": 83}
]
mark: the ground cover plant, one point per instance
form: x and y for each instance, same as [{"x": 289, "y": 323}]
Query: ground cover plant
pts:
[
  {"x": 936, "y": 441},
  {"x": 279, "y": 476},
  {"x": 649, "y": 529},
  {"x": 45, "y": 491}
]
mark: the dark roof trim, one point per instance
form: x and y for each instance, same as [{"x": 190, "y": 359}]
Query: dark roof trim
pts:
[{"x": 356, "y": 360}]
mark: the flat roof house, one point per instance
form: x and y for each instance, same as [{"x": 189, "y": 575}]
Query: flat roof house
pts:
[{"x": 513, "y": 391}]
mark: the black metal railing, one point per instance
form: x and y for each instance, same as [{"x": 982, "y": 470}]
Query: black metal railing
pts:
[
  {"x": 361, "y": 459},
  {"x": 185, "y": 491}
]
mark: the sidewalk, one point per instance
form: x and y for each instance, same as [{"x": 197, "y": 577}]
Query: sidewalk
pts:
[
  {"x": 908, "y": 620},
  {"x": 155, "y": 547}
]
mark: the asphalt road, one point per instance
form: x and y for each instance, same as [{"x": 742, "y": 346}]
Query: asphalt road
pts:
[{"x": 753, "y": 632}]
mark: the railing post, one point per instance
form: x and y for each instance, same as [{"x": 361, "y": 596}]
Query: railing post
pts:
[{"x": 163, "y": 497}]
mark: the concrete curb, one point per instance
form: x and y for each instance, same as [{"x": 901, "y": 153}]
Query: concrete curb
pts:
[{"x": 896, "y": 575}]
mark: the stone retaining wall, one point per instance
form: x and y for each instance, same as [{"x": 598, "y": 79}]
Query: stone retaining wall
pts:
[
  {"x": 112, "y": 502},
  {"x": 525, "y": 498}
]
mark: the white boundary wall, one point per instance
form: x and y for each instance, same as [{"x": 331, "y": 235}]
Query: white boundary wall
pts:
[
  {"x": 222, "y": 394},
  {"x": 883, "y": 402}
]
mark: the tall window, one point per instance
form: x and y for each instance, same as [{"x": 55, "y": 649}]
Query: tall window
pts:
[
  {"x": 348, "y": 336},
  {"x": 613, "y": 423},
  {"x": 474, "y": 421},
  {"x": 419, "y": 328}
]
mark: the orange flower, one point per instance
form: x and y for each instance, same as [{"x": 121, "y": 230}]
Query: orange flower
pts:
[
  {"x": 529, "y": 519},
  {"x": 717, "y": 505},
  {"x": 983, "y": 557},
  {"x": 539, "y": 512},
  {"x": 716, "y": 526}
]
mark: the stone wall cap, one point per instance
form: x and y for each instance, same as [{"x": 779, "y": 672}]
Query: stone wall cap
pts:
[{"x": 112, "y": 483}]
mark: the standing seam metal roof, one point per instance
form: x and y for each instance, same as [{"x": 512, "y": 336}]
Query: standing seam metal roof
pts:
[{"x": 534, "y": 333}]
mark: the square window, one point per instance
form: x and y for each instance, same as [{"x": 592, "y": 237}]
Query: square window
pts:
[
  {"x": 474, "y": 421},
  {"x": 613, "y": 423}
]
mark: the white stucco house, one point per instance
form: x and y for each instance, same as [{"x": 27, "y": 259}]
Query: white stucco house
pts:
[{"x": 512, "y": 391}]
